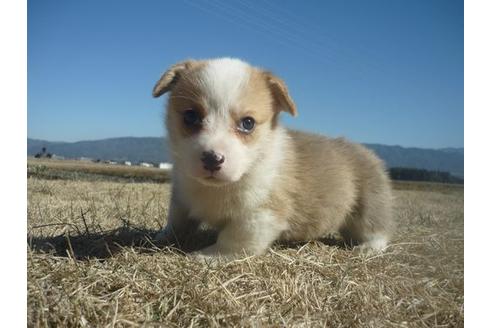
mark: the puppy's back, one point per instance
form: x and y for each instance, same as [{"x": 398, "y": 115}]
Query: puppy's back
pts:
[{"x": 333, "y": 185}]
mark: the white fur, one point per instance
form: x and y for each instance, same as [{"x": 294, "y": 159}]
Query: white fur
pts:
[
  {"x": 236, "y": 201},
  {"x": 246, "y": 228},
  {"x": 233, "y": 206},
  {"x": 377, "y": 242},
  {"x": 241, "y": 198},
  {"x": 223, "y": 80},
  {"x": 252, "y": 235}
]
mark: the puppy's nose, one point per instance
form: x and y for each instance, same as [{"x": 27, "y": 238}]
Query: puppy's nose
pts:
[{"x": 212, "y": 160}]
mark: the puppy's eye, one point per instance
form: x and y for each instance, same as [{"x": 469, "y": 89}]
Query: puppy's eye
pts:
[
  {"x": 192, "y": 117},
  {"x": 247, "y": 124}
]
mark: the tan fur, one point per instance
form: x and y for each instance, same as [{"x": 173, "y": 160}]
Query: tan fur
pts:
[
  {"x": 298, "y": 186},
  {"x": 186, "y": 94},
  {"x": 280, "y": 94},
  {"x": 179, "y": 71},
  {"x": 348, "y": 190},
  {"x": 256, "y": 101}
]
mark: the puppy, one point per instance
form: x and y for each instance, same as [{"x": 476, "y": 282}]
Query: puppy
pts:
[{"x": 236, "y": 168}]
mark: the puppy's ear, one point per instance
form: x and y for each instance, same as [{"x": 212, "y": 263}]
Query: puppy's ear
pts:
[
  {"x": 170, "y": 77},
  {"x": 280, "y": 94}
]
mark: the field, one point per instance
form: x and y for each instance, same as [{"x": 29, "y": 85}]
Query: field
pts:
[{"x": 92, "y": 262}]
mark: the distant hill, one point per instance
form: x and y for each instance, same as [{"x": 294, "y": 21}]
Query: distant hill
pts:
[
  {"x": 448, "y": 159},
  {"x": 149, "y": 149},
  {"x": 451, "y": 150},
  {"x": 153, "y": 149}
]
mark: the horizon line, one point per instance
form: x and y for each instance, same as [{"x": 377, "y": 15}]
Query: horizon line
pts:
[{"x": 163, "y": 137}]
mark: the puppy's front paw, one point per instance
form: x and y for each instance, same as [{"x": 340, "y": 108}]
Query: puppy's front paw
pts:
[
  {"x": 212, "y": 255},
  {"x": 206, "y": 253},
  {"x": 373, "y": 246}
]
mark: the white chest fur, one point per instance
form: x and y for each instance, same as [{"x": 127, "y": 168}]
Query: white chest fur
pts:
[{"x": 218, "y": 204}]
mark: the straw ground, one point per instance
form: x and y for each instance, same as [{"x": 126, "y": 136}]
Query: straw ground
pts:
[{"x": 92, "y": 263}]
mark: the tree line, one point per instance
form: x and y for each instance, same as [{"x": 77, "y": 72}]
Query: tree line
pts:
[{"x": 410, "y": 174}]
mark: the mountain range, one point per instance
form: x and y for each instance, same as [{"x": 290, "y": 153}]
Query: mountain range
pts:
[{"x": 154, "y": 149}]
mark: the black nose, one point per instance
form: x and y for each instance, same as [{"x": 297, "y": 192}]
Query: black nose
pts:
[{"x": 212, "y": 160}]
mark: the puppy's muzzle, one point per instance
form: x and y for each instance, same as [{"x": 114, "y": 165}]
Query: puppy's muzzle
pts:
[{"x": 212, "y": 161}]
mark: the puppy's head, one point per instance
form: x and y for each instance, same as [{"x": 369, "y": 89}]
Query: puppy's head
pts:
[{"x": 221, "y": 116}]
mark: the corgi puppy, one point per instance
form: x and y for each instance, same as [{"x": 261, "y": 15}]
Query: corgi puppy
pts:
[{"x": 236, "y": 168}]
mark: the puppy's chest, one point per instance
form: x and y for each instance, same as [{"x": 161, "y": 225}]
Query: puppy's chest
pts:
[{"x": 217, "y": 207}]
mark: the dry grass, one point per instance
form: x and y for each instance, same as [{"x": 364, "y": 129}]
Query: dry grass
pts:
[
  {"x": 71, "y": 169},
  {"x": 91, "y": 264}
]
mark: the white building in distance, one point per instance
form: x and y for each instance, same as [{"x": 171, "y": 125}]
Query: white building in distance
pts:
[{"x": 165, "y": 166}]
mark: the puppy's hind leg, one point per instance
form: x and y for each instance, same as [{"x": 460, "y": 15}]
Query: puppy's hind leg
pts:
[{"x": 369, "y": 227}]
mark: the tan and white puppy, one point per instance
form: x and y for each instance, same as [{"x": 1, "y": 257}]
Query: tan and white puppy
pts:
[{"x": 236, "y": 168}]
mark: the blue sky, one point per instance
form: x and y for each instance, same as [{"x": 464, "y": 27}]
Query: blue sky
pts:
[{"x": 381, "y": 71}]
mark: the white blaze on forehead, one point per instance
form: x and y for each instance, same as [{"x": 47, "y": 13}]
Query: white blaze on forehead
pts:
[{"x": 223, "y": 81}]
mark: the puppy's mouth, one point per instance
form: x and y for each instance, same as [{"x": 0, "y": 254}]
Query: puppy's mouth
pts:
[{"x": 213, "y": 180}]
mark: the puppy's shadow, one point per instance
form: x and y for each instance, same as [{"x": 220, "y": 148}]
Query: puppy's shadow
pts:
[
  {"x": 105, "y": 244},
  {"x": 332, "y": 240}
]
